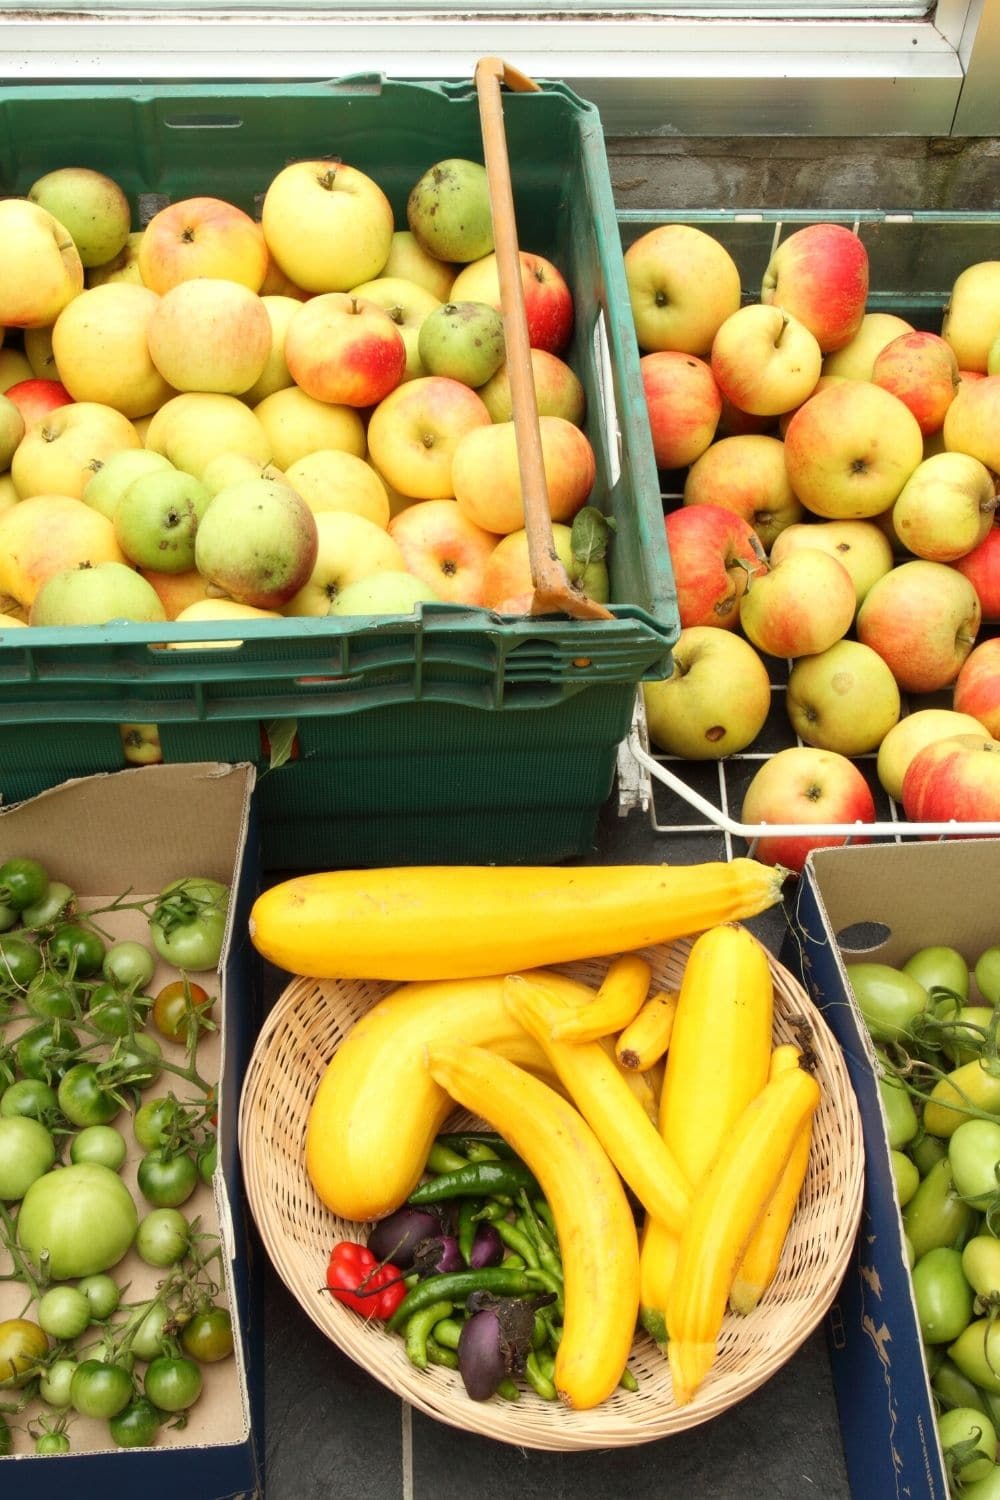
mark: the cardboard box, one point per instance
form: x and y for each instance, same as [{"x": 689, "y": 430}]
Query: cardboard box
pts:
[
  {"x": 882, "y": 903},
  {"x": 132, "y": 832}
]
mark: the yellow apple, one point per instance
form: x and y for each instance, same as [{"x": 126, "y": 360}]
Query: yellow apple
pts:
[
  {"x": 765, "y": 361},
  {"x": 48, "y": 534},
  {"x": 230, "y": 467},
  {"x": 844, "y": 698},
  {"x": 972, "y": 421},
  {"x": 202, "y": 237},
  {"x": 972, "y": 316},
  {"x": 414, "y": 431},
  {"x": 297, "y": 424},
  {"x": 407, "y": 304},
  {"x": 487, "y": 478},
  {"x": 275, "y": 375},
  {"x": 715, "y": 701},
  {"x": 409, "y": 260},
  {"x": 59, "y": 454},
  {"x": 862, "y": 547},
  {"x": 444, "y": 548},
  {"x": 682, "y": 285},
  {"x": 210, "y": 334},
  {"x": 193, "y": 428},
  {"x": 911, "y": 734},
  {"x": 8, "y": 494},
  {"x": 214, "y": 611},
  {"x": 141, "y": 744},
  {"x": 100, "y": 344},
  {"x": 121, "y": 267},
  {"x": 93, "y": 207},
  {"x": 40, "y": 354},
  {"x": 327, "y": 225},
  {"x": 331, "y": 479},
  {"x": 40, "y": 267},
  {"x": 14, "y": 368},
  {"x": 350, "y": 548},
  {"x": 850, "y": 449},
  {"x": 856, "y": 360}
]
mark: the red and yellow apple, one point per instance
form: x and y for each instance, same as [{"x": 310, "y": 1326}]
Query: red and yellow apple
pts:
[
  {"x": 803, "y": 784},
  {"x": 819, "y": 275},
  {"x": 801, "y": 605},
  {"x": 444, "y": 548},
  {"x": 683, "y": 405},
  {"x": 747, "y": 474},
  {"x": 507, "y": 580},
  {"x": 861, "y": 546},
  {"x": 714, "y": 553},
  {"x": 912, "y": 733},
  {"x": 346, "y": 351},
  {"x": 414, "y": 431},
  {"x": 486, "y": 473},
  {"x": 407, "y": 304},
  {"x": 981, "y": 567},
  {"x": 202, "y": 236},
  {"x": 49, "y": 534},
  {"x": 34, "y": 399},
  {"x": 715, "y": 701},
  {"x": 922, "y": 618},
  {"x": 765, "y": 361},
  {"x": 548, "y": 301},
  {"x": 921, "y": 369},
  {"x": 850, "y": 449},
  {"x": 977, "y": 686},
  {"x": 954, "y": 780},
  {"x": 682, "y": 284}
]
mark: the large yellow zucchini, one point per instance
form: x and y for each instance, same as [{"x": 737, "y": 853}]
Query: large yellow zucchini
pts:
[
  {"x": 594, "y": 1224},
  {"x": 377, "y": 1109},
  {"x": 453, "y": 922}
]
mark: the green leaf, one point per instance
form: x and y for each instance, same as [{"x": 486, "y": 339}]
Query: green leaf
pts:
[
  {"x": 281, "y": 735},
  {"x": 589, "y": 535}
]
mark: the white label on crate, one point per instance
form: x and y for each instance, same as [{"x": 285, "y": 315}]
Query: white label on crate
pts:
[{"x": 609, "y": 407}]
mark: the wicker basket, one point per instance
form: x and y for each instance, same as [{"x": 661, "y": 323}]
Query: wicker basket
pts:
[{"x": 300, "y": 1035}]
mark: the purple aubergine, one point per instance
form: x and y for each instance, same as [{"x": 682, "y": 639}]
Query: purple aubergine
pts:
[
  {"x": 395, "y": 1239},
  {"x": 487, "y": 1247},
  {"x": 482, "y": 1363},
  {"x": 437, "y": 1255}
]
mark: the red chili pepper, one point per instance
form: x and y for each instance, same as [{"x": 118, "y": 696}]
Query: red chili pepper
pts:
[{"x": 373, "y": 1288}]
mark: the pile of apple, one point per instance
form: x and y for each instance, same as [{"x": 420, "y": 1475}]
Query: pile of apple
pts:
[
  {"x": 839, "y": 478},
  {"x": 215, "y": 417}
]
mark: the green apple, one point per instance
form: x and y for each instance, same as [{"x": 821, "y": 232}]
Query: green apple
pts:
[
  {"x": 462, "y": 340},
  {"x": 117, "y": 472},
  {"x": 157, "y": 520},
  {"x": 91, "y": 206},
  {"x": 257, "y": 542},
  {"x": 388, "y": 593},
  {"x": 448, "y": 210},
  {"x": 94, "y": 596},
  {"x": 11, "y": 430}
]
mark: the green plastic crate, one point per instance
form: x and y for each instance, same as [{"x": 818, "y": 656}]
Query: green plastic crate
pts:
[{"x": 448, "y": 735}]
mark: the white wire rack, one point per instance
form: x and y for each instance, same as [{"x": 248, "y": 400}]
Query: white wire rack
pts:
[{"x": 685, "y": 798}]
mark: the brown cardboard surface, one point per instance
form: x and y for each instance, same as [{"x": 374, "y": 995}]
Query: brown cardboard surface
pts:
[
  {"x": 135, "y": 831},
  {"x": 901, "y": 897}
]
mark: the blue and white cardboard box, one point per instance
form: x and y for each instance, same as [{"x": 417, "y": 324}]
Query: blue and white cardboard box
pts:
[
  {"x": 882, "y": 902},
  {"x": 135, "y": 830}
]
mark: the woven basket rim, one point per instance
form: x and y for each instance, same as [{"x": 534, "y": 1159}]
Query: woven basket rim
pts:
[{"x": 292, "y": 1049}]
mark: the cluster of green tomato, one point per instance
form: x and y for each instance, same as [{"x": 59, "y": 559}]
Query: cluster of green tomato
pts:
[
  {"x": 940, "y": 1088},
  {"x": 74, "y": 1057}
]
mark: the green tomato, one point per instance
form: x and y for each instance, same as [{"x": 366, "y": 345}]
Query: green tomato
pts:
[
  {"x": 966, "y": 1033},
  {"x": 76, "y": 949},
  {"x": 947, "y": 1107},
  {"x": 987, "y": 972},
  {"x": 142, "y": 1058},
  {"x": 22, "y": 881},
  {"x": 128, "y": 965},
  {"x": 939, "y": 968},
  {"x": 153, "y": 1122},
  {"x": 51, "y": 997},
  {"x": 172, "y": 1384},
  {"x": 82, "y": 1216},
  {"x": 984, "y": 1489},
  {"x": 976, "y": 1352},
  {"x": 974, "y": 1153},
  {"x": 942, "y": 1295},
  {"x": 189, "y": 922},
  {"x": 163, "y": 1237},
  {"x": 901, "y": 1117},
  {"x": 20, "y": 962},
  {"x": 103, "y": 1294},
  {"x": 906, "y": 1176},
  {"x": 31, "y": 1097},
  {"x": 102, "y": 1144},
  {"x": 150, "y": 1338},
  {"x": 208, "y": 1158},
  {"x": 889, "y": 1000},
  {"x": 51, "y": 1444},
  {"x": 935, "y": 1216},
  {"x": 137, "y": 1425},
  {"x": 27, "y": 1151},
  {"x": 47, "y": 1050},
  {"x": 973, "y": 1436},
  {"x": 952, "y": 1388},
  {"x": 64, "y": 1312},
  {"x": 926, "y": 1150},
  {"x": 167, "y": 1178},
  {"x": 83, "y": 1099},
  {"x": 116, "y": 1012},
  {"x": 981, "y": 1265},
  {"x": 55, "y": 1381},
  {"x": 23, "y": 1348},
  {"x": 8, "y": 917},
  {"x": 208, "y": 1335},
  {"x": 56, "y": 903},
  {"x": 99, "y": 1389}
]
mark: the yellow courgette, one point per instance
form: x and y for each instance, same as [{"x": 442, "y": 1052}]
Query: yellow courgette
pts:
[
  {"x": 623, "y": 989},
  {"x": 451, "y": 922},
  {"x": 596, "y": 1086},
  {"x": 645, "y": 1040},
  {"x": 725, "y": 1210},
  {"x": 720, "y": 1046},
  {"x": 594, "y": 1224}
]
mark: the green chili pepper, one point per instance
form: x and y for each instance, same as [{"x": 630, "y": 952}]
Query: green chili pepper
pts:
[
  {"x": 628, "y": 1381},
  {"x": 463, "y": 1141},
  {"x": 443, "y": 1159},
  {"x": 515, "y": 1239},
  {"x": 477, "y": 1179},
  {"x": 548, "y": 1283},
  {"x": 455, "y": 1286},
  {"x": 513, "y": 1263},
  {"x": 547, "y": 1218},
  {"x": 447, "y": 1333},
  {"x": 492, "y": 1209},
  {"x": 439, "y": 1354},
  {"x": 418, "y": 1328},
  {"x": 479, "y": 1151},
  {"x": 537, "y": 1379},
  {"x": 465, "y": 1231},
  {"x": 507, "y": 1390},
  {"x": 540, "y": 1332},
  {"x": 548, "y": 1256}
]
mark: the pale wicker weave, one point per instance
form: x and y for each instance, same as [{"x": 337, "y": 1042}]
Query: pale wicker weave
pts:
[{"x": 300, "y": 1035}]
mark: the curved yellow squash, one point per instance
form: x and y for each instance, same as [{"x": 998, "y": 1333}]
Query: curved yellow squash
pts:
[{"x": 594, "y": 1224}]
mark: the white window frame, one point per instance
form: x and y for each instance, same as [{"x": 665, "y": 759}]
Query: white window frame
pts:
[{"x": 649, "y": 71}]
